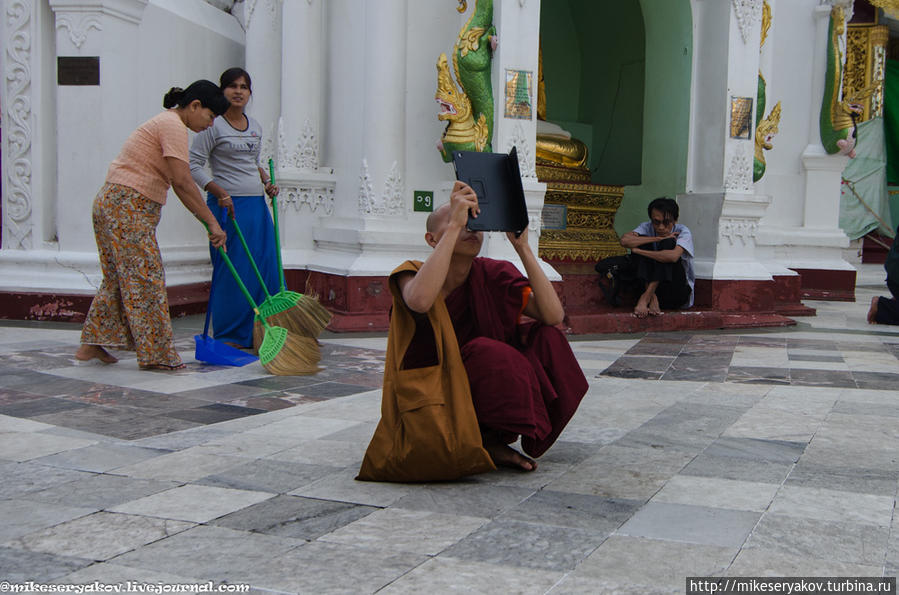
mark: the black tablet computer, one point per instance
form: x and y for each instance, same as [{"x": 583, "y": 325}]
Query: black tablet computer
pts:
[{"x": 496, "y": 180}]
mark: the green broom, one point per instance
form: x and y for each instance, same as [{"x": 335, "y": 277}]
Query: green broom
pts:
[
  {"x": 279, "y": 309},
  {"x": 280, "y": 352},
  {"x": 313, "y": 312}
]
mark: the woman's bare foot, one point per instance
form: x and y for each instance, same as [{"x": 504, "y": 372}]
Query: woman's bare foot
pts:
[
  {"x": 504, "y": 455},
  {"x": 163, "y": 367},
  {"x": 88, "y": 352},
  {"x": 654, "y": 309},
  {"x": 872, "y": 311}
]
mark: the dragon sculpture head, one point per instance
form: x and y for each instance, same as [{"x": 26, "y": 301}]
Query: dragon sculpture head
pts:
[
  {"x": 454, "y": 105},
  {"x": 767, "y": 129}
]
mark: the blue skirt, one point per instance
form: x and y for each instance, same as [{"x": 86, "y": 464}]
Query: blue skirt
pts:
[{"x": 232, "y": 316}]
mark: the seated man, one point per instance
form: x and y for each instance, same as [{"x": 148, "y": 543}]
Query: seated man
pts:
[
  {"x": 524, "y": 379},
  {"x": 885, "y": 310},
  {"x": 662, "y": 251}
]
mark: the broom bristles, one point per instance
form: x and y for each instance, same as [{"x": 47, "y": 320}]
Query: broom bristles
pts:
[{"x": 298, "y": 357}]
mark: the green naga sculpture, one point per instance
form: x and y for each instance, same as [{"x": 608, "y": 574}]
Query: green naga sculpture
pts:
[
  {"x": 765, "y": 128},
  {"x": 468, "y": 111},
  {"x": 838, "y": 114}
]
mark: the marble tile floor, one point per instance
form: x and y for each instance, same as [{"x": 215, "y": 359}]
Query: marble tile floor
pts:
[{"x": 741, "y": 453}]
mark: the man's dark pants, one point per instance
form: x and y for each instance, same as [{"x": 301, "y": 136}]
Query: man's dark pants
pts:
[
  {"x": 673, "y": 290},
  {"x": 888, "y": 308}
]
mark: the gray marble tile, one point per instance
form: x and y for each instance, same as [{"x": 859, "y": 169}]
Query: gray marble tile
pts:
[
  {"x": 880, "y": 482},
  {"x": 468, "y": 496},
  {"x": 19, "y": 566},
  {"x": 193, "y": 503},
  {"x": 99, "y": 536},
  {"x": 760, "y": 562},
  {"x": 774, "y": 451},
  {"x": 578, "y": 584},
  {"x": 26, "y": 446},
  {"x": 343, "y": 487},
  {"x": 876, "y": 380},
  {"x": 21, "y": 517},
  {"x": 112, "y": 573},
  {"x": 184, "y": 438},
  {"x": 361, "y": 570},
  {"x": 715, "y": 492},
  {"x": 804, "y": 377},
  {"x": 563, "y": 509},
  {"x": 861, "y": 408},
  {"x": 182, "y": 466},
  {"x": 448, "y": 575},
  {"x": 832, "y": 505},
  {"x": 211, "y": 553},
  {"x": 691, "y": 524},
  {"x": 530, "y": 545},
  {"x": 264, "y": 475},
  {"x": 101, "y": 491},
  {"x": 653, "y": 563},
  {"x": 689, "y": 427},
  {"x": 401, "y": 530},
  {"x": 100, "y": 457},
  {"x": 24, "y": 478},
  {"x": 758, "y": 375},
  {"x": 706, "y": 465},
  {"x": 295, "y": 517},
  {"x": 827, "y": 540}
]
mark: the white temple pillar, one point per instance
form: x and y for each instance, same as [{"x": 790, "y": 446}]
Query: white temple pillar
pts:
[
  {"x": 27, "y": 103},
  {"x": 515, "y": 53},
  {"x": 307, "y": 186},
  {"x": 369, "y": 232},
  {"x": 812, "y": 240},
  {"x": 91, "y": 113},
  {"x": 262, "y": 19},
  {"x": 720, "y": 207}
]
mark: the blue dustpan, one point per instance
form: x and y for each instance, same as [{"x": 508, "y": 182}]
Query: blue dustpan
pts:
[{"x": 215, "y": 352}]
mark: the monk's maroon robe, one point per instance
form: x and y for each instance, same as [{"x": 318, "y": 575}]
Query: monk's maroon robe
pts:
[{"x": 524, "y": 378}]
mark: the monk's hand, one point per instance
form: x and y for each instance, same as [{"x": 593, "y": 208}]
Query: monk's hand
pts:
[
  {"x": 463, "y": 200},
  {"x": 519, "y": 242}
]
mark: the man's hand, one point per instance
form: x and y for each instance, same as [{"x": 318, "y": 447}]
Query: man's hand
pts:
[
  {"x": 463, "y": 200},
  {"x": 271, "y": 190}
]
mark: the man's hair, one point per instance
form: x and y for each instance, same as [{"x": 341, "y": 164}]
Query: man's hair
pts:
[{"x": 667, "y": 206}]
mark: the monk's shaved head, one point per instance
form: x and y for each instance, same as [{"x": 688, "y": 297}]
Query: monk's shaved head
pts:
[{"x": 438, "y": 218}]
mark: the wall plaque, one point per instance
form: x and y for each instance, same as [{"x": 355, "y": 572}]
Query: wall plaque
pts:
[
  {"x": 555, "y": 217},
  {"x": 78, "y": 70}
]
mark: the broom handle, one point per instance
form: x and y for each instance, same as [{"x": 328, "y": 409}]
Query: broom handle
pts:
[
  {"x": 271, "y": 175},
  {"x": 240, "y": 284},
  {"x": 243, "y": 241}
]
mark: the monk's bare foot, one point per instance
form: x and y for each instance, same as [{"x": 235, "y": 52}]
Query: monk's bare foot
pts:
[
  {"x": 872, "y": 311},
  {"x": 504, "y": 455},
  {"x": 654, "y": 309},
  {"x": 88, "y": 352}
]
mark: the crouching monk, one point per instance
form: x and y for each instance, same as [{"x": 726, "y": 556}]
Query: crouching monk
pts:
[{"x": 456, "y": 330}]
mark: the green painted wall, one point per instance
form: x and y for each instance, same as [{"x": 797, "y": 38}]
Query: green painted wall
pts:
[
  {"x": 594, "y": 81},
  {"x": 618, "y": 78},
  {"x": 666, "y": 112}
]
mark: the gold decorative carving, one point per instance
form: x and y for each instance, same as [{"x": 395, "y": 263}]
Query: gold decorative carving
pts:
[
  {"x": 590, "y": 215},
  {"x": 864, "y": 71}
]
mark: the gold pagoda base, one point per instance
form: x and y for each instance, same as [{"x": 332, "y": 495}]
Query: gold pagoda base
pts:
[{"x": 587, "y": 234}]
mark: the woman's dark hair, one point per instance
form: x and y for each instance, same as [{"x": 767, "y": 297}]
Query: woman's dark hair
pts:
[
  {"x": 232, "y": 74},
  {"x": 667, "y": 206},
  {"x": 207, "y": 92}
]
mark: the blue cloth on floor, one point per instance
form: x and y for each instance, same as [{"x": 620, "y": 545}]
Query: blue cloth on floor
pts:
[{"x": 232, "y": 316}]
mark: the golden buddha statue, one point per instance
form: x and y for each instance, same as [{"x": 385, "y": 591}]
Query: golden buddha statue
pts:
[{"x": 555, "y": 145}]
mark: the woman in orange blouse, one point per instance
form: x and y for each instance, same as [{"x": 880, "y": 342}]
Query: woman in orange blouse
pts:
[{"x": 131, "y": 309}]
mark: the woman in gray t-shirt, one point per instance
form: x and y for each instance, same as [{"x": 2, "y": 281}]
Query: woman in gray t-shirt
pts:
[{"x": 234, "y": 186}]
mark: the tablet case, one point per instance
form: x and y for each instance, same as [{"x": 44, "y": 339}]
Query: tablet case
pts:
[{"x": 496, "y": 179}]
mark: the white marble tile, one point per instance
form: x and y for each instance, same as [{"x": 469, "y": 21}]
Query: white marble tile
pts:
[
  {"x": 24, "y": 446},
  {"x": 833, "y": 505},
  {"x": 717, "y": 493}
]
